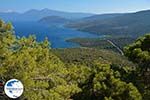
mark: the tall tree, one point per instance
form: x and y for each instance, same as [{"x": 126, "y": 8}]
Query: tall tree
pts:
[{"x": 139, "y": 52}]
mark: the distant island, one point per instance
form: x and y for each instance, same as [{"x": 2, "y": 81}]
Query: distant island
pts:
[{"x": 55, "y": 20}]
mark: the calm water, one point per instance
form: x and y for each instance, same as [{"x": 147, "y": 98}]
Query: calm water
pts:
[{"x": 56, "y": 35}]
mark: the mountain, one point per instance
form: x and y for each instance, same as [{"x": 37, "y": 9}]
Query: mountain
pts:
[
  {"x": 34, "y": 15},
  {"x": 97, "y": 18},
  {"x": 132, "y": 24},
  {"x": 89, "y": 21},
  {"x": 54, "y": 20}
]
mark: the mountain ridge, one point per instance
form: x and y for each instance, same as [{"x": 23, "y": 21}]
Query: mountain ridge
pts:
[
  {"x": 127, "y": 24},
  {"x": 35, "y": 15}
]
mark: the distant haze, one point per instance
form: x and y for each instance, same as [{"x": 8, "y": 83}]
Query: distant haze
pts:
[
  {"x": 89, "y": 6},
  {"x": 35, "y": 15}
]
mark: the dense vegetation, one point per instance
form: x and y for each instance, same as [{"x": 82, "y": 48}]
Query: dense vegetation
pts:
[
  {"x": 131, "y": 24},
  {"x": 88, "y": 56},
  {"x": 103, "y": 43},
  {"x": 139, "y": 52},
  {"x": 46, "y": 75}
]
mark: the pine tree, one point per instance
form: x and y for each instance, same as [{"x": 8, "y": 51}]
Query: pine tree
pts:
[
  {"x": 139, "y": 52},
  {"x": 46, "y": 77}
]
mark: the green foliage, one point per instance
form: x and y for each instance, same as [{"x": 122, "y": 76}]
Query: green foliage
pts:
[
  {"x": 102, "y": 43},
  {"x": 139, "y": 52},
  {"x": 105, "y": 84},
  {"x": 93, "y": 43},
  {"x": 46, "y": 77},
  {"x": 7, "y": 40},
  {"x": 1, "y": 23},
  {"x": 8, "y": 27},
  {"x": 42, "y": 73},
  {"x": 87, "y": 56}
]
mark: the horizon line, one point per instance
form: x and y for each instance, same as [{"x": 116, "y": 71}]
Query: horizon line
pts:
[{"x": 12, "y": 11}]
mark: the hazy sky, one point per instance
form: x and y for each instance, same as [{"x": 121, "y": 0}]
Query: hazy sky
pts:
[{"x": 93, "y": 6}]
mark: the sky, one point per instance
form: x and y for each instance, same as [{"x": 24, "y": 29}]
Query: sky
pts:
[{"x": 90, "y": 6}]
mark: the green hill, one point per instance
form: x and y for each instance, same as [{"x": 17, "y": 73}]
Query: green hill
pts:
[
  {"x": 87, "y": 56},
  {"x": 104, "y": 43},
  {"x": 130, "y": 24}
]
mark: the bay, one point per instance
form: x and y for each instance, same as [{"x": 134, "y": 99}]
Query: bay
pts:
[{"x": 57, "y": 35}]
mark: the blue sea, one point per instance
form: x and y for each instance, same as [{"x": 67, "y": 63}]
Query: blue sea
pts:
[{"x": 57, "y": 35}]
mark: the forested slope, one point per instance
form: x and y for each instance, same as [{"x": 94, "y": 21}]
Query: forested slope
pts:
[
  {"x": 46, "y": 76},
  {"x": 130, "y": 24}
]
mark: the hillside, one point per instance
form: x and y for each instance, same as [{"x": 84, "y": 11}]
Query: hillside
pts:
[
  {"x": 104, "y": 43},
  {"x": 70, "y": 74},
  {"x": 87, "y": 56},
  {"x": 54, "y": 20},
  {"x": 131, "y": 24},
  {"x": 92, "y": 19}
]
